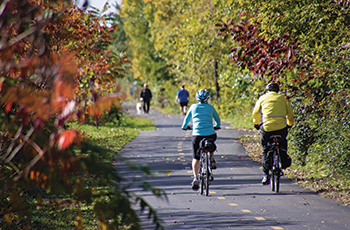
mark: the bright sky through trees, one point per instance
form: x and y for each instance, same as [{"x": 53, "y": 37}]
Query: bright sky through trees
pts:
[{"x": 100, "y": 3}]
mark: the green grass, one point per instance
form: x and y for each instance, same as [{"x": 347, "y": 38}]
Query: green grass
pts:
[
  {"x": 240, "y": 121},
  {"x": 114, "y": 137},
  {"x": 170, "y": 109}
]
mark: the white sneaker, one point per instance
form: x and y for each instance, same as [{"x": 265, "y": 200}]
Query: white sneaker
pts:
[{"x": 195, "y": 184}]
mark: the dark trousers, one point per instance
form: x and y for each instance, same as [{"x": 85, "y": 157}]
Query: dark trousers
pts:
[
  {"x": 264, "y": 138},
  {"x": 195, "y": 144},
  {"x": 146, "y": 106}
]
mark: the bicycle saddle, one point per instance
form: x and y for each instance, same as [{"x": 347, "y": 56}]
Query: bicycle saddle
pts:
[
  {"x": 207, "y": 145},
  {"x": 275, "y": 137}
]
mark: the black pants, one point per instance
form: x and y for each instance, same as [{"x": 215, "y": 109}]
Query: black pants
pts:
[
  {"x": 146, "y": 106},
  {"x": 264, "y": 138},
  {"x": 195, "y": 144}
]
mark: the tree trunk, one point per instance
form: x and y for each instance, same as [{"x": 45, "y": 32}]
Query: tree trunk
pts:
[{"x": 217, "y": 87}]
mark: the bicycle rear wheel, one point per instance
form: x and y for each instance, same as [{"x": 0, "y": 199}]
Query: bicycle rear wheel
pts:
[
  {"x": 277, "y": 183},
  {"x": 273, "y": 172},
  {"x": 202, "y": 173},
  {"x": 207, "y": 174},
  {"x": 202, "y": 186},
  {"x": 277, "y": 173},
  {"x": 272, "y": 180}
]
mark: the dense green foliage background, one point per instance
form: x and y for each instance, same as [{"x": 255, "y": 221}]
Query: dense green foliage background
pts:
[
  {"x": 303, "y": 45},
  {"x": 60, "y": 63}
]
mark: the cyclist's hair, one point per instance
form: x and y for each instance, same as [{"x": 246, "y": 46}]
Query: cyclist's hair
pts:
[
  {"x": 273, "y": 87},
  {"x": 202, "y": 96}
]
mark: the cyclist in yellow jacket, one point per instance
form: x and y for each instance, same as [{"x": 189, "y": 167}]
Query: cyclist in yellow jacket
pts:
[{"x": 273, "y": 115}]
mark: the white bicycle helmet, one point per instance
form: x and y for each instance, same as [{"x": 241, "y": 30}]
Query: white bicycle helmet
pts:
[{"x": 202, "y": 96}]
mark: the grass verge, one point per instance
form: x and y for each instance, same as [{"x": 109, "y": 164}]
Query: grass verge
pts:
[
  {"x": 115, "y": 137},
  {"x": 107, "y": 136}
]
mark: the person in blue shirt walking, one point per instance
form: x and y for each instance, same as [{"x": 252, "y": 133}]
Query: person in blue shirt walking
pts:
[
  {"x": 182, "y": 95},
  {"x": 202, "y": 115}
]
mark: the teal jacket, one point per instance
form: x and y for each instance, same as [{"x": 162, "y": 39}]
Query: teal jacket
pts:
[{"x": 202, "y": 116}]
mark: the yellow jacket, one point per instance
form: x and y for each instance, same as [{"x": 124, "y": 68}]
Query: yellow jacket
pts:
[{"x": 274, "y": 110}]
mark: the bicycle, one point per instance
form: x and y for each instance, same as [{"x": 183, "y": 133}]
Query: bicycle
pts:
[
  {"x": 275, "y": 171},
  {"x": 206, "y": 146},
  {"x": 205, "y": 170}
]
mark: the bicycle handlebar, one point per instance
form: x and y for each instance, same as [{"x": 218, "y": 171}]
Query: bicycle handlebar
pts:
[
  {"x": 257, "y": 127},
  {"x": 190, "y": 128}
]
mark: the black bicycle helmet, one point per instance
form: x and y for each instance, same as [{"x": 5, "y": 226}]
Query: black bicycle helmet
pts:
[
  {"x": 202, "y": 96},
  {"x": 273, "y": 87}
]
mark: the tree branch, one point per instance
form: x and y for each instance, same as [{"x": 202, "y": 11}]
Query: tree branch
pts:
[{"x": 41, "y": 153}]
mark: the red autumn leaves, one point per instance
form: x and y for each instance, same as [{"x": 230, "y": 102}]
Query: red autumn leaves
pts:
[
  {"x": 67, "y": 137},
  {"x": 262, "y": 56}
]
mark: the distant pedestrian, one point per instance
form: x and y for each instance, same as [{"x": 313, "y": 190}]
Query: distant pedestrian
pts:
[
  {"x": 146, "y": 97},
  {"x": 182, "y": 96},
  {"x": 132, "y": 90}
]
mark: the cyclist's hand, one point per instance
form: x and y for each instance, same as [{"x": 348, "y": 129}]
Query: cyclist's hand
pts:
[
  {"x": 187, "y": 128},
  {"x": 217, "y": 128},
  {"x": 257, "y": 126}
]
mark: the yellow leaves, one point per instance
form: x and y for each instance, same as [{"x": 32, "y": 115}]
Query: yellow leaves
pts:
[
  {"x": 103, "y": 225},
  {"x": 104, "y": 104},
  {"x": 79, "y": 223},
  {"x": 8, "y": 218}
]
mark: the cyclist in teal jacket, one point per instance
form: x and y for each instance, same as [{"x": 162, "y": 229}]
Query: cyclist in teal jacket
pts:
[{"x": 202, "y": 115}]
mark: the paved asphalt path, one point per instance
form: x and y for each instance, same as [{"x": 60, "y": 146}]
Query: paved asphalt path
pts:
[{"x": 236, "y": 200}]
